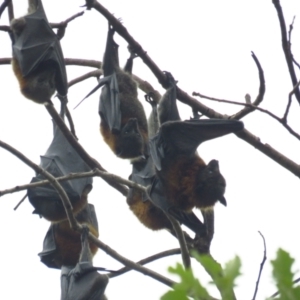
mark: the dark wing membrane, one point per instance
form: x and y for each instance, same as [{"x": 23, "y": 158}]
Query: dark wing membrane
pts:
[
  {"x": 89, "y": 286},
  {"x": 38, "y": 44},
  {"x": 51, "y": 255},
  {"x": 61, "y": 159},
  {"x": 109, "y": 104},
  {"x": 183, "y": 137},
  {"x": 143, "y": 173},
  {"x": 157, "y": 197},
  {"x": 83, "y": 281}
]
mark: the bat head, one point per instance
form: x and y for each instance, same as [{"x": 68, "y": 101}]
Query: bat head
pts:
[
  {"x": 130, "y": 143},
  {"x": 210, "y": 185},
  {"x": 40, "y": 85}
]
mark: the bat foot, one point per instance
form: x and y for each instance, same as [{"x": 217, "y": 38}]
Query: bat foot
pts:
[
  {"x": 150, "y": 98},
  {"x": 201, "y": 243}
]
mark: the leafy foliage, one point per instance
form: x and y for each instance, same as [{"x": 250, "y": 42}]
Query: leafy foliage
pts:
[
  {"x": 223, "y": 278},
  {"x": 191, "y": 286},
  {"x": 283, "y": 275}
]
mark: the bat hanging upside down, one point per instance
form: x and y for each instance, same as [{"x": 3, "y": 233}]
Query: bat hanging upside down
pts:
[
  {"x": 123, "y": 121},
  {"x": 38, "y": 61}
]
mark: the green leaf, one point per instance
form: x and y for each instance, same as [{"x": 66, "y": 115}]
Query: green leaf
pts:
[
  {"x": 188, "y": 286},
  {"x": 283, "y": 275},
  {"x": 223, "y": 279}
]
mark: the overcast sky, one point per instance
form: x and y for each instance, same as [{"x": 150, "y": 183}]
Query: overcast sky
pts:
[{"x": 207, "y": 46}]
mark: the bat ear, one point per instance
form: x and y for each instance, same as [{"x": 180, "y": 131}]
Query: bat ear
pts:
[{"x": 223, "y": 201}]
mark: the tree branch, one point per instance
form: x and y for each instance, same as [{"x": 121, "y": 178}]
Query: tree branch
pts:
[
  {"x": 95, "y": 73},
  {"x": 261, "y": 266},
  {"x": 181, "y": 239},
  {"x": 286, "y": 47},
  {"x": 146, "y": 261},
  {"x": 261, "y": 91},
  {"x": 282, "y": 121},
  {"x": 130, "y": 264}
]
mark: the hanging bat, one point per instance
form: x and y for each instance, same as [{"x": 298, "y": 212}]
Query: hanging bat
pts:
[
  {"x": 60, "y": 159},
  {"x": 38, "y": 61},
  {"x": 151, "y": 210},
  {"x": 62, "y": 245},
  {"x": 123, "y": 121},
  {"x": 179, "y": 168},
  {"x": 83, "y": 282}
]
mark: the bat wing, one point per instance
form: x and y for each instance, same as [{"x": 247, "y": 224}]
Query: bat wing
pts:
[
  {"x": 60, "y": 159},
  {"x": 143, "y": 173},
  {"x": 158, "y": 198},
  {"x": 109, "y": 104},
  {"x": 37, "y": 45},
  {"x": 183, "y": 137},
  {"x": 83, "y": 281},
  {"x": 50, "y": 254},
  {"x": 90, "y": 285},
  {"x": 49, "y": 249}
]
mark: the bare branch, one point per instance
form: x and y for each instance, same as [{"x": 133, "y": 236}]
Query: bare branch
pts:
[
  {"x": 3, "y": 6},
  {"x": 261, "y": 265},
  {"x": 130, "y": 264},
  {"x": 63, "y": 25},
  {"x": 291, "y": 93},
  {"x": 261, "y": 91},
  {"x": 20, "y": 202},
  {"x": 83, "y": 62},
  {"x": 5, "y": 28},
  {"x": 286, "y": 46},
  {"x": 280, "y": 120},
  {"x": 180, "y": 236},
  {"x": 95, "y": 73},
  {"x": 146, "y": 261}
]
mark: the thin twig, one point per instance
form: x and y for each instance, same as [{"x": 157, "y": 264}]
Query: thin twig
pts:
[
  {"x": 63, "y": 25},
  {"x": 182, "y": 243},
  {"x": 20, "y": 202},
  {"x": 67, "y": 21},
  {"x": 72, "y": 176},
  {"x": 280, "y": 120},
  {"x": 130, "y": 264},
  {"x": 95, "y": 73},
  {"x": 146, "y": 261},
  {"x": 286, "y": 47},
  {"x": 261, "y": 91},
  {"x": 261, "y": 266},
  {"x": 291, "y": 93},
  {"x": 3, "y": 6},
  {"x": 10, "y": 11}
]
